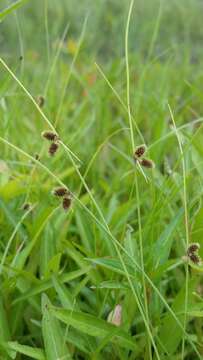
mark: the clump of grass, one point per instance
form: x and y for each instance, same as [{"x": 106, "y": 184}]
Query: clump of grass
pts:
[{"x": 69, "y": 273}]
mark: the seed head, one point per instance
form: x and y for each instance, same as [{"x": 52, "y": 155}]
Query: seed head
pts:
[
  {"x": 26, "y": 206},
  {"x": 139, "y": 151},
  {"x": 193, "y": 248},
  {"x": 49, "y": 135},
  {"x": 195, "y": 258},
  {"x": 66, "y": 203},
  {"x": 60, "y": 191},
  {"x": 37, "y": 157},
  {"x": 40, "y": 101},
  {"x": 147, "y": 163},
  {"x": 53, "y": 148}
]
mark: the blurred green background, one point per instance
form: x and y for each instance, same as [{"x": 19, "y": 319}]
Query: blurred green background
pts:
[{"x": 180, "y": 25}]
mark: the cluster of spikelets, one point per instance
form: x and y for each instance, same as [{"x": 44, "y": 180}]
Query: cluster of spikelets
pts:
[
  {"x": 54, "y": 139},
  {"x": 61, "y": 192},
  {"x": 192, "y": 253},
  {"x": 138, "y": 157},
  {"x": 65, "y": 195}
]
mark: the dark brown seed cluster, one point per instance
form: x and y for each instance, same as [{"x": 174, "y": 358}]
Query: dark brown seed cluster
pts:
[
  {"x": 37, "y": 157},
  {"x": 192, "y": 253},
  {"x": 40, "y": 101},
  {"x": 193, "y": 248},
  {"x": 64, "y": 193},
  {"x": 139, "y": 151},
  {"x": 49, "y": 135},
  {"x": 66, "y": 203},
  {"x": 26, "y": 206},
  {"x": 195, "y": 258},
  {"x": 138, "y": 157},
  {"x": 147, "y": 163},
  {"x": 60, "y": 191},
  {"x": 53, "y": 148}
]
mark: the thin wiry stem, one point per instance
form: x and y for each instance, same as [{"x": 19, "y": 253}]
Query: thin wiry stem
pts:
[
  {"x": 137, "y": 190},
  {"x": 120, "y": 100},
  {"x": 186, "y": 225},
  {"x": 47, "y": 29},
  {"x": 142, "y": 258},
  {"x": 128, "y": 76}
]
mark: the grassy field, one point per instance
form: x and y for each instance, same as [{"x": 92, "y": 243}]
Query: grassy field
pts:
[{"x": 107, "y": 270}]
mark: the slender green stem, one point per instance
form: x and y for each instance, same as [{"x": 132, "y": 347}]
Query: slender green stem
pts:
[
  {"x": 128, "y": 75},
  {"x": 142, "y": 259},
  {"x": 137, "y": 190},
  {"x": 47, "y": 29},
  {"x": 186, "y": 226}
]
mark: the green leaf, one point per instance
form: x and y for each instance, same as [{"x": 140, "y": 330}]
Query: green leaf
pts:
[
  {"x": 170, "y": 333},
  {"x": 163, "y": 245},
  {"x": 64, "y": 294},
  {"x": 110, "y": 284},
  {"x": 11, "y": 8},
  {"x": 33, "y": 353},
  {"x": 6, "y": 352},
  {"x": 195, "y": 313},
  {"x": 197, "y": 228},
  {"x": 114, "y": 265},
  {"x": 93, "y": 326},
  {"x": 4, "y": 327},
  {"x": 84, "y": 229},
  {"x": 47, "y": 284},
  {"x": 13, "y": 188},
  {"x": 52, "y": 333}
]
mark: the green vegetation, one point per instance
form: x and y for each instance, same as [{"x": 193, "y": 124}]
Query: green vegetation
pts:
[{"x": 106, "y": 77}]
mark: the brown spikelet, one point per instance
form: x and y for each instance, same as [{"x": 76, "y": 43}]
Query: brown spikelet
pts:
[
  {"x": 66, "y": 203},
  {"x": 193, "y": 248},
  {"x": 139, "y": 151},
  {"x": 40, "y": 101},
  {"x": 37, "y": 157},
  {"x": 49, "y": 135},
  {"x": 195, "y": 258},
  {"x": 26, "y": 206},
  {"x": 147, "y": 163},
  {"x": 60, "y": 191},
  {"x": 53, "y": 148}
]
